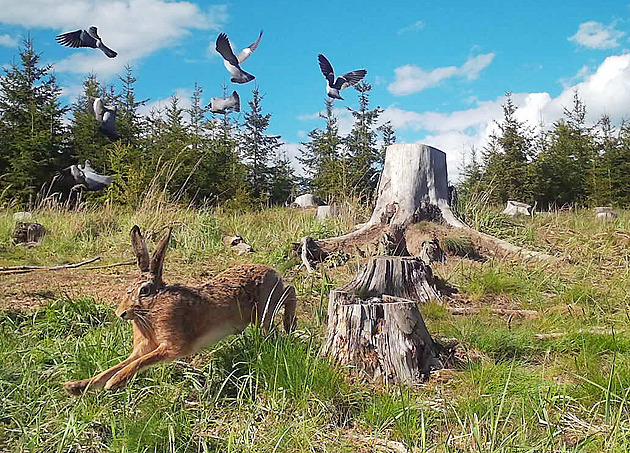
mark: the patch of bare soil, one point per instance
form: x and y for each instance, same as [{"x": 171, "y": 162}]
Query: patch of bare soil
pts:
[{"x": 27, "y": 292}]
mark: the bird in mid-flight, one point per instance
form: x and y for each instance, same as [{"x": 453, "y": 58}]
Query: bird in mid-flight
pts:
[
  {"x": 105, "y": 116},
  {"x": 222, "y": 105},
  {"x": 333, "y": 87},
  {"x": 85, "y": 38},
  {"x": 85, "y": 177},
  {"x": 232, "y": 62}
]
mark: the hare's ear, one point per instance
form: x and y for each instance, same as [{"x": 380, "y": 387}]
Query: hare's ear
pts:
[
  {"x": 140, "y": 249},
  {"x": 157, "y": 262}
]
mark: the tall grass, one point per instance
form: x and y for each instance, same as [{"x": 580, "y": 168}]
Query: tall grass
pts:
[{"x": 273, "y": 392}]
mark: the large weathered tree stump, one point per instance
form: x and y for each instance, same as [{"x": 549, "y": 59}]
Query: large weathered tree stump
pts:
[
  {"x": 375, "y": 326},
  {"x": 381, "y": 338},
  {"x": 413, "y": 175}
]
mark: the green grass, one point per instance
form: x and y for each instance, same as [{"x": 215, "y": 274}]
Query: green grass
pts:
[{"x": 258, "y": 392}]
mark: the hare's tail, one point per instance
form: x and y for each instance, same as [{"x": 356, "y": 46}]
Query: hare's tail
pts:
[{"x": 290, "y": 319}]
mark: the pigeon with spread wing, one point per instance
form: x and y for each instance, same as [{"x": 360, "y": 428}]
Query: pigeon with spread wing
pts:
[{"x": 333, "y": 87}]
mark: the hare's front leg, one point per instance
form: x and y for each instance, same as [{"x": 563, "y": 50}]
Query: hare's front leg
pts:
[
  {"x": 98, "y": 381},
  {"x": 162, "y": 353}
]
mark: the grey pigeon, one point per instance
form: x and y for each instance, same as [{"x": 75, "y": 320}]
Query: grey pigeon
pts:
[
  {"x": 83, "y": 38},
  {"x": 105, "y": 116},
  {"x": 232, "y": 62},
  {"x": 85, "y": 176},
  {"x": 333, "y": 87},
  {"x": 222, "y": 105}
]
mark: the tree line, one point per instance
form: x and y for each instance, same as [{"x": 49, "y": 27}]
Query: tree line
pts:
[
  {"x": 188, "y": 154},
  {"x": 571, "y": 163}
]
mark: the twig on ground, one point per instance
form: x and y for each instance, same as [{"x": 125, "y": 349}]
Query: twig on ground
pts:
[
  {"x": 495, "y": 311},
  {"x": 26, "y": 269}
]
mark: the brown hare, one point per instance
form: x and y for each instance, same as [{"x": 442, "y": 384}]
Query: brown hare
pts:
[{"x": 172, "y": 321}]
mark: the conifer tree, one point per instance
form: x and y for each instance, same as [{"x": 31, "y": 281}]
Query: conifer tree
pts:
[
  {"x": 566, "y": 168},
  {"x": 32, "y": 134},
  {"x": 321, "y": 158},
  {"x": 258, "y": 148},
  {"x": 128, "y": 120},
  {"x": 507, "y": 157},
  {"x": 86, "y": 141},
  {"x": 361, "y": 148}
]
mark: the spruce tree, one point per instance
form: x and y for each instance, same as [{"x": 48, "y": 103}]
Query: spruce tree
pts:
[
  {"x": 361, "y": 150},
  {"x": 258, "y": 148},
  {"x": 566, "y": 168},
  {"x": 507, "y": 158},
  {"x": 128, "y": 120},
  {"x": 86, "y": 141},
  {"x": 321, "y": 158},
  {"x": 32, "y": 134}
]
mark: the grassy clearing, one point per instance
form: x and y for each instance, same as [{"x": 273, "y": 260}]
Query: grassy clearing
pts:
[{"x": 258, "y": 392}]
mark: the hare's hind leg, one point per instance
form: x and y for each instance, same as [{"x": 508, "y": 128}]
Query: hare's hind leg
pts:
[
  {"x": 290, "y": 301},
  {"x": 162, "y": 353},
  {"x": 98, "y": 381}
]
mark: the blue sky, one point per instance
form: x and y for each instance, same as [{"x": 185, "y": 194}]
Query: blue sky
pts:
[{"x": 439, "y": 69}]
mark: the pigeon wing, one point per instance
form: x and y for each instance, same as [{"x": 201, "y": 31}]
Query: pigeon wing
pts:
[
  {"x": 77, "y": 174},
  {"x": 96, "y": 107},
  {"x": 247, "y": 51},
  {"x": 79, "y": 38},
  {"x": 108, "y": 127},
  {"x": 236, "y": 106},
  {"x": 326, "y": 68},
  {"x": 349, "y": 79},
  {"x": 224, "y": 48},
  {"x": 94, "y": 181}
]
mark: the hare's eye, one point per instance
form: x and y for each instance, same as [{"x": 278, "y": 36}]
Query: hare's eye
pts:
[{"x": 144, "y": 290}]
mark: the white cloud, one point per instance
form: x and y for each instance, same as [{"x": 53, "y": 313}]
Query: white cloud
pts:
[
  {"x": 605, "y": 91},
  {"x": 417, "y": 25},
  {"x": 596, "y": 35},
  {"x": 183, "y": 95},
  {"x": 133, "y": 28},
  {"x": 579, "y": 76},
  {"x": 7, "y": 41},
  {"x": 292, "y": 151},
  {"x": 412, "y": 79}
]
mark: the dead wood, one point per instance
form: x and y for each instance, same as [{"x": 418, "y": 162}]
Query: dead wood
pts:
[
  {"x": 381, "y": 338},
  {"x": 530, "y": 314},
  {"x": 375, "y": 326},
  {"x": 592, "y": 331},
  {"x": 26, "y": 269}
]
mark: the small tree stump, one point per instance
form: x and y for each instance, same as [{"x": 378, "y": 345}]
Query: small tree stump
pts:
[
  {"x": 383, "y": 339},
  {"x": 375, "y": 326}
]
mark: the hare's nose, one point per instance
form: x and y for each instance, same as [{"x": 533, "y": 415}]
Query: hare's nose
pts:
[{"x": 123, "y": 315}]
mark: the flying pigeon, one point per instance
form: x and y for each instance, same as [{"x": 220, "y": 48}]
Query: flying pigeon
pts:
[
  {"x": 222, "y": 105},
  {"x": 333, "y": 87},
  {"x": 82, "y": 38},
  {"x": 232, "y": 62},
  {"x": 85, "y": 176},
  {"x": 105, "y": 116}
]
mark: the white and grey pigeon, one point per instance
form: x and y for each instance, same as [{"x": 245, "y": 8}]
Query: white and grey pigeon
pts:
[
  {"x": 105, "y": 116},
  {"x": 232, "y": 62},
  {"x": 83, "y": 38},
  {"x": 86, "y": 177},
  {"x": 333, "y": 87},
  {"x": 222, "y": 105}
]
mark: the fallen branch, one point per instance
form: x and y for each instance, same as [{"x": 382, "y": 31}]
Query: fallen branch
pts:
[
  {"x": 26, "y": 269},
  {"x": 592, "y": 331},
  {"x": 105, "y": 266},
  {"x": 495, "y": 311}
]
